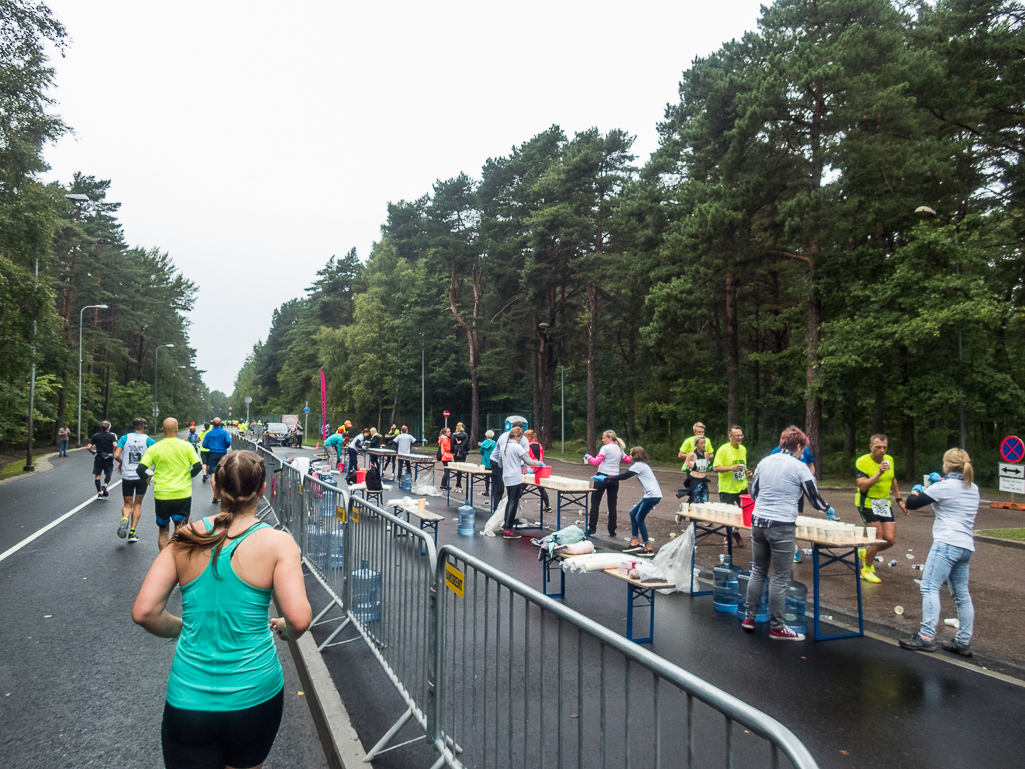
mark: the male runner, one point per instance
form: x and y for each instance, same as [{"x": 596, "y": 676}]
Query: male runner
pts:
[
  {"x": 128, "y": 453},
  {"x": 170, "y": 464},
  {"x": 873, "y": 475},
  {"x": 731, "y": 464},
  {"x": 218, "y": 443},
  {"x": 102, "y": 446},
  {"x": 688, "y": 445},
  {"x": 204, "y": 454}
]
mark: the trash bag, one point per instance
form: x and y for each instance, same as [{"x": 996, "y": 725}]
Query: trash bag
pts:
[
  {"x": 425, "y": 488},
  {"x": 496, "y": 521},
  {"x": 373, "y": 479},
  {"x": 674, "y": 560}
]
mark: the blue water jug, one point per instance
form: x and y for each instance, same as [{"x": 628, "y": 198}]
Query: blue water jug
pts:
[
  {"x": 366, "y": 593},
  {"x": 324, "y": 546},
  {"x": 795, "y": 614},
  {"x": 467, "y": 520},
  {"x": 762, "y": 612},
  {"x": 724, "y": 589},
  {"x": 406, "y": 481}
]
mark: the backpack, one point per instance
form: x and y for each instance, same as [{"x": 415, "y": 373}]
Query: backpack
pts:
[
  {"x": 438, "y": 455},
  {"x": 351, "y": 478},
  {"x": 373, "y": 479}
]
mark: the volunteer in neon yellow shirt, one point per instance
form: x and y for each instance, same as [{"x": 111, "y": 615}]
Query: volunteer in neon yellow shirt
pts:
[
  {"x": 874, "y": 476},
  {"x": 731, "y": 464},
  {"x": 688, "y": 445},
  {"x": 170, "y": 465}
]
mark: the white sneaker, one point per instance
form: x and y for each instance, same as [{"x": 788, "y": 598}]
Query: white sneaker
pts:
[{"x": 122, "y": 530}]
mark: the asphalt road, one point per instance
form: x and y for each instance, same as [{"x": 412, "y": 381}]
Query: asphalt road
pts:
[
  {"x": 82, "y": 685},
  {"x": 855, "y": 702}
]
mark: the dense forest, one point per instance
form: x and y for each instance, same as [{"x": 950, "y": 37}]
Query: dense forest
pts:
[
  {"x": 62, "y": 255},
  {"x": 830, "y": 234}
]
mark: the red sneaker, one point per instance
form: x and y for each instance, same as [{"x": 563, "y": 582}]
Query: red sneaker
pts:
[
  {"x": 786, "y": 634},
  {"x": 748, "y": 624}
]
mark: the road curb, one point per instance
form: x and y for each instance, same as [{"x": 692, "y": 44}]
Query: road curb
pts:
[
  {"x": 1000, "y": 542},
  {"x": 341, "y": 744}
]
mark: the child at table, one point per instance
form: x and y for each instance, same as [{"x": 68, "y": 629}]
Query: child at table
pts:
[{"x": 652, "y": 496}]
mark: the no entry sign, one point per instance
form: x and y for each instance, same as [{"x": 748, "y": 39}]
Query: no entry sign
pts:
[
  {"x": 1012, "y": 449},
  {"x": 447, "y": 415}
]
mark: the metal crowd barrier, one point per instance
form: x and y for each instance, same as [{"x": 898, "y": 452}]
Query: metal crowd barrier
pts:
[
  {"x": 495, "y": 673},
  {"x": 522, "y": 680}
]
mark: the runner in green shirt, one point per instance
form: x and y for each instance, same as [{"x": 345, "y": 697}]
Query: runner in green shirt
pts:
[
  {"x": 170, "y": 465},
  {"x": 874, "y": 476},
  {"x": 731, "y": 464},
  {"x": 688, "y": 445}
]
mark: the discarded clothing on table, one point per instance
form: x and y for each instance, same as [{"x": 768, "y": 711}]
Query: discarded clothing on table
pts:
[
  {"x": 575, "y": 548},
  {"x": 567, "y": 536}
]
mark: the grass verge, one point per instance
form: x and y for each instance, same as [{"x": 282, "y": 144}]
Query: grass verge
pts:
[
  {"x": 17, "y": 466},
  {"x": 1018, "y": 535}
]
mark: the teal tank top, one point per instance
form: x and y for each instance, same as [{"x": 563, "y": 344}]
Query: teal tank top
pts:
[{"x": 226, "y": 658}]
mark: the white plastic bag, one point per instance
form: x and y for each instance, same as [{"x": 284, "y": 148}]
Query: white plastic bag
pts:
[
  {"x": 674, "y": 560},
  {"x": 497, "y": 521},
  {"x": 577, "y": 548},
  {"x": 425, "y": 489}
]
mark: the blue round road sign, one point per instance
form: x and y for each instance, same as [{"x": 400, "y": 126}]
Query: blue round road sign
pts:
[
  {"x": 306, "y": 410},
  {"x": 1012, "y": 449}
]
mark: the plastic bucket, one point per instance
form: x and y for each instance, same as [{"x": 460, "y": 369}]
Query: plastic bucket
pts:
[
  {"x": 543, "y": 472},
  {"x": 747, "y": 506},
  {"x": 361, "y": 476}
]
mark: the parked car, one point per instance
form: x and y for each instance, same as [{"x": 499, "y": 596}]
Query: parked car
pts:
[{"x": 276, "y": 434}]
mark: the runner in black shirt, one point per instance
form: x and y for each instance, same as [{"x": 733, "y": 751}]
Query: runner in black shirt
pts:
[{"x": 102, "y": 445}]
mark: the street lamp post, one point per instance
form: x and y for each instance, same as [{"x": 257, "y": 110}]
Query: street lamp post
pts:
[
  {"x": 81, "y": 315},
  {"x": 423, "y": 379},
  {"x": 156, "y": 380}
]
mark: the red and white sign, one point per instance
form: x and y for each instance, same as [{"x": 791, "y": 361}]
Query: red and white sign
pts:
[
  {"x": 291, "y": 420},
  {"x": 445, "y": 414}
]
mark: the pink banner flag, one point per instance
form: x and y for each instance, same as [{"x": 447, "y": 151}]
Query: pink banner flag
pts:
[{"x": 323, "y": 406}]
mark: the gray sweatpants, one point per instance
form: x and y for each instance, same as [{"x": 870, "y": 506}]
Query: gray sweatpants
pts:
[{"x": 776, "y": 545}]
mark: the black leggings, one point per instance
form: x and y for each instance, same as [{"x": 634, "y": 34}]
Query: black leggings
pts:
[
  {"x": 512, "y": 504},
  {"x": 203, "y": 739},
  {"x": 611, "y": 488}
]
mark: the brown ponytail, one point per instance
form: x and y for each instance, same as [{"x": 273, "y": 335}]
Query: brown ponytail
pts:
[{"x": 240, "y": 475}]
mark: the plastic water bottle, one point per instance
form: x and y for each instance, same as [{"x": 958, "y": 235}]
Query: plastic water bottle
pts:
[
  {"x": 724, "y": 592},
  {"x": 366, "y": 593},
  {"x": 795, "y": 614},
  {"x": 467, "y": 520},
  {"x": 406, "y": 481},
  {"x": 742, "y": 582}
]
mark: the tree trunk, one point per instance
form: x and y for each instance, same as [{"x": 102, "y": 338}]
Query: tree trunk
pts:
[
  {"x": 879, "y": 406},
  {"x": 732, "y": 353},
  {"x": 592, "y": 337},
  {"x": 813, "y": 403}
]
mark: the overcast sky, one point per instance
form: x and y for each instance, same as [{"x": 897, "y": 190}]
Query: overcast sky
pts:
[{"x": 253, "y": 140}]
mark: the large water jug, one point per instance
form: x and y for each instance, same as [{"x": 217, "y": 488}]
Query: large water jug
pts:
[
  {"x": 324, "y": 546},
  {"x": 406, "y": 481},
  {"x": 796, "y": 615},
  {"x": 366, "y": 593},
  {"x": 762, "y": 612},
  {"x": 724, "y": 588},
  {"x": 467, "y": 520}
]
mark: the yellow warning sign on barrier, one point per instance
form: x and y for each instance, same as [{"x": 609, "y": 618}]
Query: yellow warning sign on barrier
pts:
[
  {"x": 455, "y": 579},
  {"x": 340, "y": 513}
]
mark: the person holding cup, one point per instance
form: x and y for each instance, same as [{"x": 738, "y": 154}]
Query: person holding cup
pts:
[
  {"x": 731, "y": 464},
  {"x": 874, "y": 476}
]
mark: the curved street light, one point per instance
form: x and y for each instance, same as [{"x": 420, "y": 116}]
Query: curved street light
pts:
[
  {"x": 156, "y": 380},
  {"x": 81, "y": 314}
]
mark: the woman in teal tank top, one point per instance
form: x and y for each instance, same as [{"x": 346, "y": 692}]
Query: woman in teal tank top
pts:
[{"x": 224, "y": 693}]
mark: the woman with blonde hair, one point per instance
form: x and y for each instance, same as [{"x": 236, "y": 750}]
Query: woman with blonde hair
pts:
[
  {"x": 955, "y": 500},
  {"x": 612, "y": 452},
  {"x": 225, "y": 691},
  {"x": 639, "y": 541}
]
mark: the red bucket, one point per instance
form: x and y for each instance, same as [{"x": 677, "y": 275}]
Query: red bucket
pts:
[
  {"x": 747, "y": 506},
  {"x": 361, "y": 475},
  {"x": 543, "y": 472}
]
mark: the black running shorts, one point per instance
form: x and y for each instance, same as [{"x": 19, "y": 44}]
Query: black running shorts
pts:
[
  {"x": 203, "y": 738},
  {"x": 103, "y": 464},
  {"x": 178, "y": 509},
  {"x": 133, "y": 487}
]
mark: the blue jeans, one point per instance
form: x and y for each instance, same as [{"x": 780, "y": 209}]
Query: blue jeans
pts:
[
  {"x": 63, "y": 450},
  {"x": 353, "y": 460},
  {"x": 947, "y": 563},
  {"x": 637, "y": 515}
]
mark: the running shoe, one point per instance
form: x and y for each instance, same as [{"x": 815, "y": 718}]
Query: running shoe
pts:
[
  {"x": 215, "y": 501},
  {"x": 132, "y": 537},
  {"x": 786, "y": 634},
  {"x": 862, "y": 554},
  {"x": 100, "y": 497},
  {"x": 510, "y": 534},
  {"x": 918, "y": 644},
  {"x": 548, "y": 508},
  {"x": 105, "y": 494},
  {"x": 797, "y": 556},
  {"x": 647, "y": 554},
  {"x": 748, "y": 624},
  {"x": 632, "y": 549},
  {"x": 965, "y": 650},
  {"x": 869, "y": 575},
  {"x": 122, "y": 530}
]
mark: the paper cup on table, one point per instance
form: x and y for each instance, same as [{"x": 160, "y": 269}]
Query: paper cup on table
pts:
[
  {"x": 802, "y": 531},
  {"x": 848, "y": 535}
]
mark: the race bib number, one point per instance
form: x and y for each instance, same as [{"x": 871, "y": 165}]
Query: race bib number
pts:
[
  {"x": 739, "y": 475},
  {"x": 881, "y": 508}
]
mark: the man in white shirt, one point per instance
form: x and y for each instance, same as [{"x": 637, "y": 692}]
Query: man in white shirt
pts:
[{"x": 404, "y": 448}]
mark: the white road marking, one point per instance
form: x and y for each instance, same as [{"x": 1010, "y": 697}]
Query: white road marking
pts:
[{"x": 50, "y": 525}]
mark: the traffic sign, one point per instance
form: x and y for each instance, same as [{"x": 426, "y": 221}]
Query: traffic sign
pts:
[
  {"x": 247, "y": 399},
  {"x": 445, "y": 414},
  {"x": 1012, "y": 485},
  {"x": 306, "y": 410},
  {"x": 1011, "y": 471},
  {"x": 1012, "y": 449}
]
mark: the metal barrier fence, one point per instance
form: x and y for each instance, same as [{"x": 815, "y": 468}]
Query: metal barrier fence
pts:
[
  {"x": 522, "y": 680},
  {"x": 495, "y": 673}
]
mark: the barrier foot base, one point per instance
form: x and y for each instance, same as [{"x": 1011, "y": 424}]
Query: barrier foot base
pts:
[
  {"x": 337, "y": 630},
  {"x": 379, "y": 747}
]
